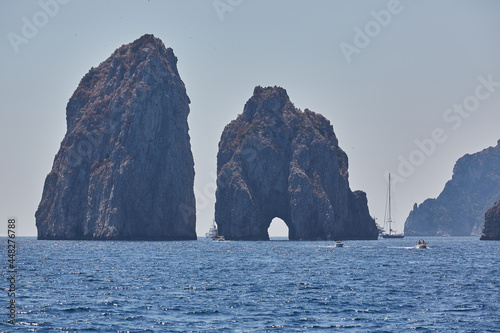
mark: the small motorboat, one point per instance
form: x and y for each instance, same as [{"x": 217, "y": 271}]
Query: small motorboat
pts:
[
  {"x": 421, "y": 245},
  {"x": 218, "y": 238},
  {"x": 339, "y": 243}
]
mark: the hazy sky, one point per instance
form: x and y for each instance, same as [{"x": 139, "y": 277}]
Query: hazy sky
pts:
[{"x": 390, "y": 76}]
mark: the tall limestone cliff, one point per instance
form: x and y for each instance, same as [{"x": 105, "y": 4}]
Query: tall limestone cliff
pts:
[
  {"x": 459, "y": 209},
  {"x": 124, "y": 170},
  {"x": 491, "y": 230},
  {"x": 277, "y": 161}
]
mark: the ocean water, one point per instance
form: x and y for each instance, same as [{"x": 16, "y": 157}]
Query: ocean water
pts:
[{"x": 274, "y": 286}]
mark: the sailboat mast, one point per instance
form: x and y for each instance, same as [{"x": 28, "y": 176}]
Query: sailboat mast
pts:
[
  {"x": 389, "y": 220},
  {"x": 388, "y": 206}
]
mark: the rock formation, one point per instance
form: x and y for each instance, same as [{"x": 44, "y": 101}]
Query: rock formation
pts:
[
  {"x": 491, "y": 230},
  {"x": 277, "y": 161},
  {"x": 459, "y": 209},
  {"x": 124, "y": 170}
]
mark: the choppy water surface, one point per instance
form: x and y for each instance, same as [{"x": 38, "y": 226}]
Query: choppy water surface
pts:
[{"x": 283, "y": 286}]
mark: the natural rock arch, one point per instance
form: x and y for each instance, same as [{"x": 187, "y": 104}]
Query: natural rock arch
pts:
[{"x": 277, "y": 161}]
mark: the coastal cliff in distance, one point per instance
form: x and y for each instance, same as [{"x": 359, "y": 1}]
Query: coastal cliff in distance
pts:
[
  {"x": 124, "y": 170},
  {"x": 459, "y": 209},
  {"x": 491, "y": 230},
  {"x": 277, "y": 161}
]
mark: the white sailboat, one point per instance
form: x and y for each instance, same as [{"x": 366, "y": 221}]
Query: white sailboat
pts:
[
  {"x": 212, "y": 232},
  {"x": 392, "y": 233}
]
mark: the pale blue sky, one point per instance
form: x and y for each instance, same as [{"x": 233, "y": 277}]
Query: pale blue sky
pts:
[{"x": 396, "y": 90}]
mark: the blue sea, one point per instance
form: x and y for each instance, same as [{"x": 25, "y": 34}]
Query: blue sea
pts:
[{"x": 273, "y": 286}]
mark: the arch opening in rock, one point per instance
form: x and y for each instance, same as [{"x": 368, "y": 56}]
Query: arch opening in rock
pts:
[
  {"x": 276, "y": 161},
  {"x": 278, "y": 229}
]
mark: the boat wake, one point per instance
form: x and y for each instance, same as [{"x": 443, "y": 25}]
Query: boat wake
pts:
[{"x": 406, "y": 247}]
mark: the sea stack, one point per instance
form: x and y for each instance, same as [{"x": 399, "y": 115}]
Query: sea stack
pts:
[
  {"x": 124, "y": 170},
  {"x": 491, "y": 230},
  {"x": 277, "y": 161},
  {"x": 459, "y": 209}
]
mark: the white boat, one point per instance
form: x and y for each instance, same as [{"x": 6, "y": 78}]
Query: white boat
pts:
[
  {"x": 212, "y": 232},
  {"x": 392, "y": 233},
  {"x": 339, "y": 243},
  {"x": 421, "y": 245},
  {"x": 218, "y": 238}
]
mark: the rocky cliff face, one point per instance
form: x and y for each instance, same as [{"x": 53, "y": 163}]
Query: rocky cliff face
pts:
[
  {"x": 491, "y": 230},
  {"x": 277, "y": 161},
  {"x": 459, "y": 210},
  {"x": 124, "y": 169}
]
